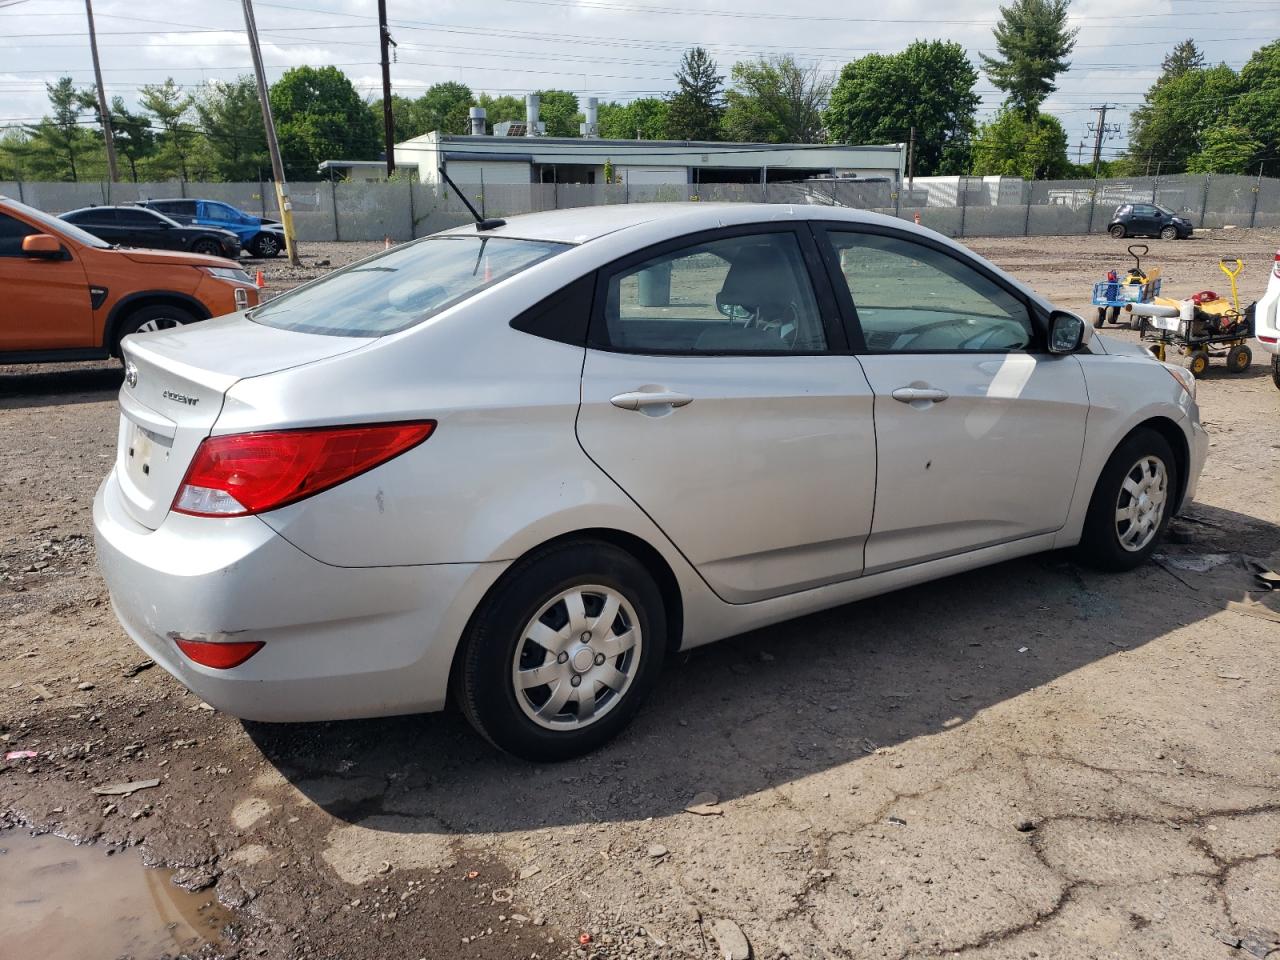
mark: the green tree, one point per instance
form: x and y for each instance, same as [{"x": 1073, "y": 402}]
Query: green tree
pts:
[
  {"x": 172, "y": 110},
  {"x": 135, "y": 140},
  {"x": 775, "y": 100},
  {"x": 403, "y": 121},
  {"x": 1225, "y": 148},
  {"x": 559, "y": 111},
  {"x": 695, "y": 109},
  {"x": 1033, "y": 42},
  {"x": 444, "y": 107},
  {"x": 320, "y": 116},
  {"x": 928, "y": 86},
  {"x": 1257, "y": 109},
  {"x": 231, "y": 119},
  {"x": 1183, "y": 57},
  {"x": 501, "y": 108},
  {"x": 1167, "y": 130},
  {"x": 13, "y": 148},
  {"x": 59, "y": 144},
  {"x": 1013, "y": 146},
  {"x": 642, "y": 119}
]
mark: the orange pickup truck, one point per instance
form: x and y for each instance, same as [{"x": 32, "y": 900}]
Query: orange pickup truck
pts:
[{"x": 66, "y": 295}]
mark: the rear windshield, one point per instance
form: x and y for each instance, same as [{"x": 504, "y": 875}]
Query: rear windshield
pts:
[{"x": 395, "y": 290}]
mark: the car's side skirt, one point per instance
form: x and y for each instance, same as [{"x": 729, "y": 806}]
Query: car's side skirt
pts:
[{"x": 54, "y": 356}]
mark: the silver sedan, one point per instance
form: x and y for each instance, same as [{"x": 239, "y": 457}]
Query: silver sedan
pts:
[{"x": 520, "y": 464}]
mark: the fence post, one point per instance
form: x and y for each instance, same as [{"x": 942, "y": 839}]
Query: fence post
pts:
[
  {"x": 1257, "y": 188},
  {"x": 182, "y": 188},
  {"x": 262, "y": 198},
  {"x": 1026, "y": 220},
  {"x": 20, "y": 197},
  {"x": 963, "y": 190},
  {"x": 626, "y": 187},
  {"x": 1093, "y": 202},
  {"x": 1204, "y": 205},
  {"x": 333, "y": 198},
  {"x": 482, "y": 209},
  {"x": 413, "y": 216}
]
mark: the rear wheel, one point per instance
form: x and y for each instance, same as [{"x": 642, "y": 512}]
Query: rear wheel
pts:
[
  {"x": 1113, "y": 314},
  {"x": 1132, "y": 503},
  {"x": 161, "y": 316},
  {"x": 1238, "y": 358},
  {"x": 1198, "y": 363},
  {"x": 1101, "y": 318},
  {"x": 1275, "y": 371},
  {"x": 560, "y": 656},
  {"x": 1117, "y": 230},
  {"x": 265, "y": 245},
  {"x": 1169, "y": 233},
  {"x": 210, "y": 248}
]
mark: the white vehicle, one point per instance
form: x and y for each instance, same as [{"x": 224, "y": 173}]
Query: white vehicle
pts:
[
  {"x": 1267, "y": 320},
  {"x": 521, "y": 463}
]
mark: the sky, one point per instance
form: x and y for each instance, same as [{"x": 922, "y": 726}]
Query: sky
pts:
[{"x": 614, "y": 49}]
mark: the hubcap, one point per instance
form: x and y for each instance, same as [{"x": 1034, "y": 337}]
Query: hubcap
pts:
[
  {"x": 576, "y": 658},
  {"x": 159, "y": 323},
  {"x": 1140, "y": 505}
]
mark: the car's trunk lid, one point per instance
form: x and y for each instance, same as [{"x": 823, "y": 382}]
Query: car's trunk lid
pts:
[{"x": 174, "y": 386}]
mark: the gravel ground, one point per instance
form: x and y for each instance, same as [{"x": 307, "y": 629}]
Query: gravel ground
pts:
[{"x": 1030, "y": 760}]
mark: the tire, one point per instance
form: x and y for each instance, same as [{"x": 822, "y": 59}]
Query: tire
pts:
[
  {"x": 1238, "y": 358},
  {"x": 1117, "y": 230},
  {"x": 1198, "y": 363},
  {"x": 210, "y": 248},
  {"x": 161, "y": 316},
  {"x": 540, "y": 723},
  {"x": 1110, "y": 543},
  {"x": 1275, "y": 371},
  {"x": 265, "y": 246},
  {"x": 1101, "y": 317},
  {"x": 1113, "y": 314},
  {"x": 1169, "y": 233}
]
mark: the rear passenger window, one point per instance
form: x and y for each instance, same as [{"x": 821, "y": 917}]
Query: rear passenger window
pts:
[
  {"x": 739, "y": 295},
  {"x": 12, "y": 231}
]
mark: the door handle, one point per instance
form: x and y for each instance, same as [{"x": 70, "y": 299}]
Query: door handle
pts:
[
  {"x": 915, "y": 394},
  {"x": 640, "y": 399}
]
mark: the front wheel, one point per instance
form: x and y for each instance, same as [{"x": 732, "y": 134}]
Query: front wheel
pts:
[
  {"x": 559, "y": 657},
  {"x": 150, "y": 319},
  {"x": 265, "y": 246},
  {"x": 1169, "y": 233},
  {"x": 1275, "y": 371},
  {"x": 1101, "y": 317},
  {"x": 210, "y": 248},
  {"x": 1117, "y": 231},
  {"x": 1198, "y": 363},
  {"x": 1113, "y": 314},
  {"x": 1132, "y": 503}
]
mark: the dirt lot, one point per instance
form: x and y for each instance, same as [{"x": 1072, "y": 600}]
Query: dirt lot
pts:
[{"x": 1031, "y": 760}]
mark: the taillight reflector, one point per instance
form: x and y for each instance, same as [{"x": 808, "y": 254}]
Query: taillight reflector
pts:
[
  {"x": 1276, "y": 269},
  {"x": 220, "y": 656},
  {"x": 1267, "y": 339},
  {"x": 247, "y": 473}
]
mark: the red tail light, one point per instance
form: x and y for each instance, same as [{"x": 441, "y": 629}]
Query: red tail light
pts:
[
  {"x": 1276, "y": 268},
  {"x": 220, "y": 656},
  {"x": 247, "y": 473}
]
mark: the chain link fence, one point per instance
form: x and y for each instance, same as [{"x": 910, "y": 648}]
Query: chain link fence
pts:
[{"x": 958, "y": 207}]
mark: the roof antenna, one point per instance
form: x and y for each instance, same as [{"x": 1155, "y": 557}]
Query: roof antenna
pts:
[{"x": 482, "y": 223}]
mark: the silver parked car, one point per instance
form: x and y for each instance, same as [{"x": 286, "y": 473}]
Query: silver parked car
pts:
[{"x": 520, "y": 464}]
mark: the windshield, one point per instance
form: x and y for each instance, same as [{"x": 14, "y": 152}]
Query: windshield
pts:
[
  {"x": 62, "y": 228},
  {"x": 1166, "y": 211},
  {"x": 395, "y": 290}
]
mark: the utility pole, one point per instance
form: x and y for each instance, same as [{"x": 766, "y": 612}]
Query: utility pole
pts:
[
  {"x": 911, "y": 161},
  {"x": 1100, "y": 131},
  {"x": 388, "y": 122},
  {"x": 273, "y": 145},
  {"x": 104, "y": 113}
]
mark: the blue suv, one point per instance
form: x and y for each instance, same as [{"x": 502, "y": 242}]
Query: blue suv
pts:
[{"x": 261, "y": 238}]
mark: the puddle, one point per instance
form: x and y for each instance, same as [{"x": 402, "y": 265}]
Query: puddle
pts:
[{"x": 66, "y": 902}]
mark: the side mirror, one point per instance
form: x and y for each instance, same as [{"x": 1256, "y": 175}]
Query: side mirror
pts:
[
  {"x": 1066, "y": 332},
  {"x": 41, "y": 246}
]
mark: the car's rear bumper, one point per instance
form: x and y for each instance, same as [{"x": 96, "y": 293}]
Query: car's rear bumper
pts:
[{"x": 339, "y": 642}]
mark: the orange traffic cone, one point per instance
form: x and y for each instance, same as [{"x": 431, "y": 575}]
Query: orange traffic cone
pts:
[
  {"x": 260, "y": 281},
  {"x": 917, "y": 218},
  {"x": 386, "y": 243}
]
